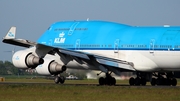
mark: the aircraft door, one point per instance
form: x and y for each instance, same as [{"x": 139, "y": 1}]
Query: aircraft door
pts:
[
  {"x": 77, "y": 45},
  {"x": 116, "y": 48},
  {"x": 151, "y": 46},
  {"x": 50, "y": 42},
  {"x": 72, "y": 28}
]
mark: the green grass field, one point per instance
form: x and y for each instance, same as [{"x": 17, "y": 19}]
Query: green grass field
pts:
[{"x": 69, "y": 92}]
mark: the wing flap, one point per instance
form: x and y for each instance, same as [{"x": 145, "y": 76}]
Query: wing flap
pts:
[
  {"x": 122, "y": 65},
  {"x": 75, "y": 54},
  {"x": 116, "y": 63}
]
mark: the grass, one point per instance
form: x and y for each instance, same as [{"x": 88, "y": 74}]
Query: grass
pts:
[
  {"x": 46, "y": 90},
  {"x": 40, "y": 92}
]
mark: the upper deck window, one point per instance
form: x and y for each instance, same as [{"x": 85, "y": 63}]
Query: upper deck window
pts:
[{"x": 59, "y": 29}]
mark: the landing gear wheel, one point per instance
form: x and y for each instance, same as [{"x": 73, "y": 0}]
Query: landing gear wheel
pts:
[
  {"x": 143, "y": 81},
  {"x": 107, "y": 81},
  {"x": 168, "y": 82},
  {"x": 62, "y": 79},
  {"x": 101, "y": 81},
  {"x": 159, "y": 81},
  {"x": 137, "y": 81},
  {"x": 174, "y": 82},
  {"x": 131, "y": 81},
  {"x": 153, "y": 82},
  {"x": 113, "y": 81},
  {"x": 57, "y": 80},
  {"x": 164, "y": 78}
]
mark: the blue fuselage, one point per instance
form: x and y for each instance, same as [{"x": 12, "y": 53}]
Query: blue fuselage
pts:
[{"x": 101, "y": 35}]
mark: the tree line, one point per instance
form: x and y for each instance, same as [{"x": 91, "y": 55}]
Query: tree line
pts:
[{"x": 7, "y": 68}]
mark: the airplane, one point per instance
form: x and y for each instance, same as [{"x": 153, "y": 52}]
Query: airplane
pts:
[{"x": 152, "y": 52}]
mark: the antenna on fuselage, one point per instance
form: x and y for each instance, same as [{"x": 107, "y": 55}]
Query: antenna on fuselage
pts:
[
  {"x": 166, "y": 25},
  {"x": 87, "y": 19}
]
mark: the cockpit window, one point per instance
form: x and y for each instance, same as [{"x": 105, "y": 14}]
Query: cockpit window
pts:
[{"x": 49, "y": 28}]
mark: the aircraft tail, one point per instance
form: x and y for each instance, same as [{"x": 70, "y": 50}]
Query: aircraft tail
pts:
[
  {"x": 10, "y": 39},
  {"x": 11, "y": 33}
]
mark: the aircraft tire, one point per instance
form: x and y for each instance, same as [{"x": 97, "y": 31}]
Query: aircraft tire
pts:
[
  {"x": 131, "y": 81},
  {"x": 153, "y": 82},
  {"x": 159, "y": 81},
  {"x": 168, "y": 82},
  {"x": 143, "y": 82},
  {"x": 137, "y": 81},
  {"x": 113, "y": 81},
  {"x": 62, "y": 79},
  {"x": 174, "y": 82},
  {"x": 56, "y": 79},
  {"x": 101, "y": 81}
]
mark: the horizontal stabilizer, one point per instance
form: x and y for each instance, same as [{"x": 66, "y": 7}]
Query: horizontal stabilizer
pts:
[
  {"x": 11, "y": 33},
  {"x": 10, "y": 39}
]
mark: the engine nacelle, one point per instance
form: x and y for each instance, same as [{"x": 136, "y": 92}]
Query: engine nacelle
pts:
[
  {"x": 25, "y": 59},
  {"x": 50, "y": 67}
]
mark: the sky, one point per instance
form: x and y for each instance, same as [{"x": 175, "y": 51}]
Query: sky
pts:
[{"x": 33, "y": 17}]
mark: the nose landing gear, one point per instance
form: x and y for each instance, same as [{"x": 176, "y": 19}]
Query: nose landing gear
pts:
[{"x": 59, "y": 79}]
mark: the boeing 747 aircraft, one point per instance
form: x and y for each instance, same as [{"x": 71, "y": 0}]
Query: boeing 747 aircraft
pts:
[{"x": 152, "y": 52}]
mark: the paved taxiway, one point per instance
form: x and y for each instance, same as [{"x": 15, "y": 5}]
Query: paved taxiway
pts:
[{"x": 121, "y": 85}]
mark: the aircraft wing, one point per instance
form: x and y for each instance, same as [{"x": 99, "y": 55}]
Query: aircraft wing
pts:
[
  {"x": 100, "y": 59},
  {"x": 100, "y": 62},
  {"x": 10, "y": 39}
]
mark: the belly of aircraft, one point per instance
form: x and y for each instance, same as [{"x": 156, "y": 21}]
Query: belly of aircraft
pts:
[
  {"x": 146, "y": 60},
  {"x": 155, "y": 61}
]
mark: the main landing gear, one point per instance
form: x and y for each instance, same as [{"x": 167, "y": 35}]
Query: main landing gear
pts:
[
  {"x": 59, "y": 79},
  {"x": 163, "y": 79},
  {"x": 166, "y": 78},
  {"x": 139, "y": 80},
  {"x": 108, "y": 80}
]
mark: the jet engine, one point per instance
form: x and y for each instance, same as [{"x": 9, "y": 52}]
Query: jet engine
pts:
[
  {"x": 50, "y": 66},
  {"x": 26, "y": 59}
]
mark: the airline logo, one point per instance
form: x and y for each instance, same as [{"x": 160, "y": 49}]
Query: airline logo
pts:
[
  {"x": 10, "y": 34},
  {"x": 61, "y": 34},
  {"x": 40, "y": 66},
  {"x": 17, "y": 58},
  {"x": 60, "y": 39}
]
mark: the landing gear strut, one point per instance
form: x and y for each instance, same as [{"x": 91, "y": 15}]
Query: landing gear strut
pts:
[
  {"x": 59, "y": 79},
  {"x": 108, "y": 80}
]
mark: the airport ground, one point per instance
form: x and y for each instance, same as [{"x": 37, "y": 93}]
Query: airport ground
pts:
[{"x": 39, "y": 89}]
